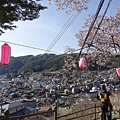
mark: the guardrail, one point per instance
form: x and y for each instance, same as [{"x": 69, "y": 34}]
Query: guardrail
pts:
[{"x": 91, "y": 112}]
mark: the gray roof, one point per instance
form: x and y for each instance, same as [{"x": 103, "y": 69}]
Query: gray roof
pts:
[
  {"x": 12, "y": 105},
  {"x": 31, "y": 104}
]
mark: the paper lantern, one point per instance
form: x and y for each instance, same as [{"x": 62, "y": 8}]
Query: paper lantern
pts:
[
  {"x": 82, "y": 62},
  {"x": 5, "y": 54},
  {"x": 118, "y": 71}
]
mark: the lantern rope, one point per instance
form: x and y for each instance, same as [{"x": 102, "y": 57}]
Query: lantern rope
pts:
[
  {"x": 28, "y": 46},
  {"x": 63, "y": 30},
  {"x": 48, "y": 50}
]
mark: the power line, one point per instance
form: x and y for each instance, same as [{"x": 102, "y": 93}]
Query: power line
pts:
[
  {"x": 27, "y": 46},
  {"x": 65, "y": 27},
  {"x": 98, "y": 25},
  {"x": 54, "y": 42},
  {"x": 63, "y": 32},
  {"x": 60, "y": 32},
  {"x": 96, "y": 15}
]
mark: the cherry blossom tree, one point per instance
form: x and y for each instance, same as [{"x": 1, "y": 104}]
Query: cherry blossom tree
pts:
[
  {"x": 71, "y": 5},
  {"x": 107, "y": 39}
]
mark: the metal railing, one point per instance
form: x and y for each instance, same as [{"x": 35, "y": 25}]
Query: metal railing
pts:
[{"x": 91, "y": 112}]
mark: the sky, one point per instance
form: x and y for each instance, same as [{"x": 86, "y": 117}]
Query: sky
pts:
[{"x": 40, "y": 33}]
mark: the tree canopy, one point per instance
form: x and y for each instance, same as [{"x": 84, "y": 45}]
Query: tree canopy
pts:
[
  {"x": 15, "y": 10},
  {"x": 71, "y": 5},
  {"x": 107, "y": 39}
]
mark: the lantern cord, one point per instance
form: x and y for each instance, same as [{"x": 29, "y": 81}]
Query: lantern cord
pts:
[
  {"x": 29, "y": 46},
  {"x": 65, "y": 27},
  {"x": 96, "y": 15},
  {"x": 48, "y": 50},
  {"x": 99, "y": 24}
]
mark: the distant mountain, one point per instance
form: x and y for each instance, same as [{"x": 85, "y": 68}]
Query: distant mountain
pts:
[
  {"x": 53, "y": 62},
  {"x": 33, "y": 63}
]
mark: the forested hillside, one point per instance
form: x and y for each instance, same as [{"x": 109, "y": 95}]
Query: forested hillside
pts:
[
  {"x": 53, "y": 62},
  {"x": 32, "y": 63}
]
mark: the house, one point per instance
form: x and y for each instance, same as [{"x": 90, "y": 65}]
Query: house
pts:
[
  {"x": 30, "y": 103},
  {"x": 35, "y": 85},
  {"x": 66, "y": 91},
  {"x": 75, "y": 90},
  {"x": 94, "y": 89},
  {"x": 46, "y": 108},
  {"x": 17, "y": 108},
  {"x": 14, "y": 95},
  {"x": 13, "y": 107},
  {"x": 15, "y": 80},
  {"x": 52, "y": 91}
]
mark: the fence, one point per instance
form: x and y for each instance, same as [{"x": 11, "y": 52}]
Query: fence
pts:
[{"x": 93, "y": 114}]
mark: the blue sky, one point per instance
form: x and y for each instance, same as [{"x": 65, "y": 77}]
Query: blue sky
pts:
[{"x": 41, "y": 32}]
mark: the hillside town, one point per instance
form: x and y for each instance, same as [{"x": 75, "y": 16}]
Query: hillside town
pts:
[{"x": 30, "y": 95}]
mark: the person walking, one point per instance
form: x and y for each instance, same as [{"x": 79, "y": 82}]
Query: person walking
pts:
[{"x": 105, "y": 103}]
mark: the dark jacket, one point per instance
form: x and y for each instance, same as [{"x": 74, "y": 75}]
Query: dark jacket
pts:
[{"x": 103, "y": 93}]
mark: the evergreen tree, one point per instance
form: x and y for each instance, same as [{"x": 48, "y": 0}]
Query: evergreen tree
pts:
[{"x": 15, "y": 10}]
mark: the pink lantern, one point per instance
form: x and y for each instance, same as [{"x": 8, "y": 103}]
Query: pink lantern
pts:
[
  {"x": 82, "y": 62},
  {"x": 118, "y": 71},
  {"x": 5, "y": 54}
]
